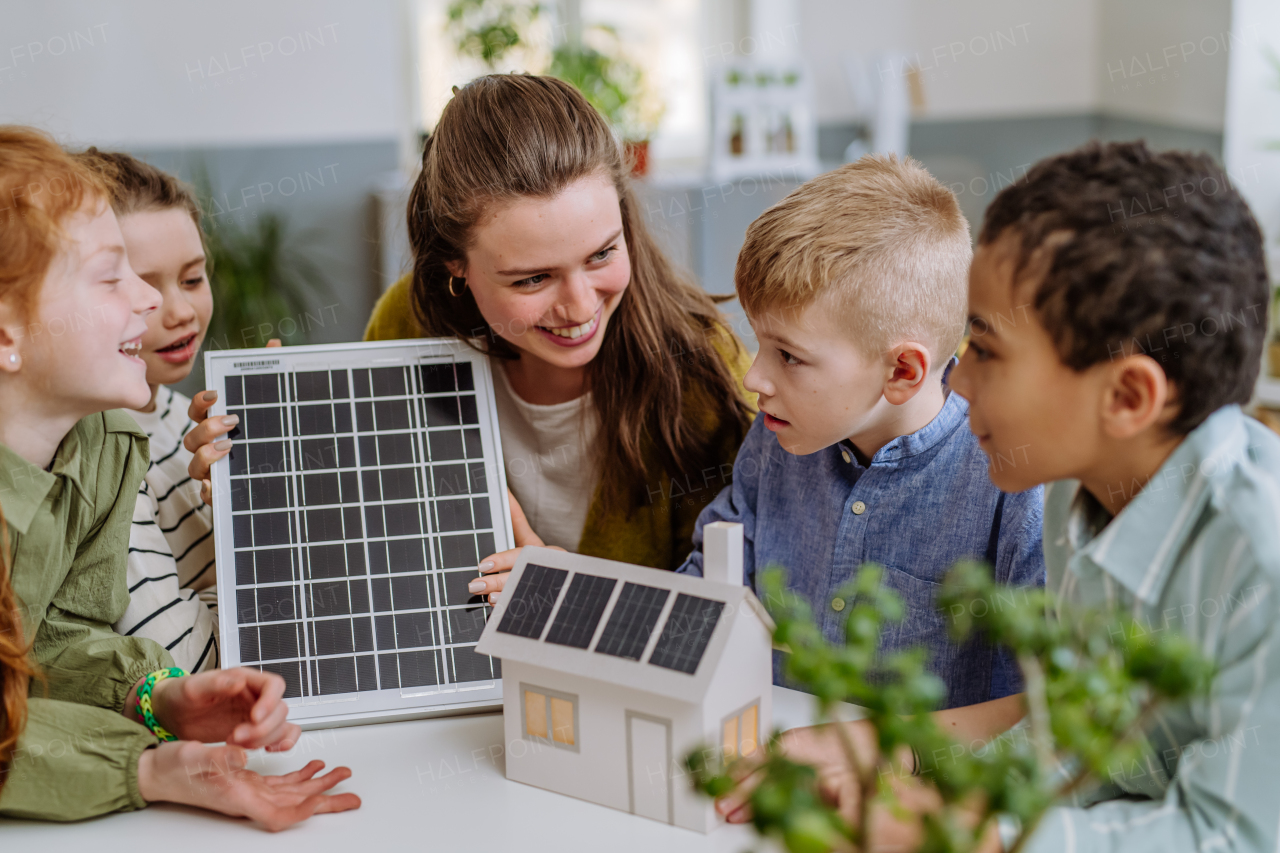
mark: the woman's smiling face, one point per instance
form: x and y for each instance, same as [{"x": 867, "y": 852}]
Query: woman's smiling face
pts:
[{"x": 548, "y": 273}]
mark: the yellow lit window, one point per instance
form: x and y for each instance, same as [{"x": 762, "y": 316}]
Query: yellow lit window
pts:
[
  {"x": 535, "y": 714},
  {"x": 740, "y": 734},
  {"x": 562, "y": 721},
  {"x": 731, "y": 737},
  {"x": 551, "y": 716}
]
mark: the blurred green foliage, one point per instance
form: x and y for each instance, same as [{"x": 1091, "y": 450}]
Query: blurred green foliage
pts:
[
  {"x": 1093, "y": 680},
  {"x": 263, "y": 276},
  {"x": 488, "y": 30}
]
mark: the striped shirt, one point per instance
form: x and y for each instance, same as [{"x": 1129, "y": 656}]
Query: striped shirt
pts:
[
  {"x": 172, "y": 576},
  {"x": 1197, "y": 550}
]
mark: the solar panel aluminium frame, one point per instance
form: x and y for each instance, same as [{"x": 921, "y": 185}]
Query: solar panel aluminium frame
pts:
[{"x": 387, "y": 704}]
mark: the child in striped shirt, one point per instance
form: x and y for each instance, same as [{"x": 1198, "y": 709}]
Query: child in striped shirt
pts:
[{"x": 172, "y": 576}]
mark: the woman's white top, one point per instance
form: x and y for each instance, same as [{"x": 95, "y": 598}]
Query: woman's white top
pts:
[{"x": 546, "y": 450}]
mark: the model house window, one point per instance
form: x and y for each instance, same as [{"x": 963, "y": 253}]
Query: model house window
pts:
[
  {"x": 740, "y": 733},
  {"x": 550, "y": 716}
]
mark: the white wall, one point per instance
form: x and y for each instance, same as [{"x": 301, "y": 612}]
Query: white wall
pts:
[
  {"x": 1166, "y": 60},
  {"x": 1253, "y": 118},
  {"x": 1006, "y": 58},
  {"x": 978, "y": 59},
  {"x": 155, "y": 74}
]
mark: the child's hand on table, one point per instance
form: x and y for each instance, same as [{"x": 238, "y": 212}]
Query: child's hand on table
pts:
[
  {"x": 243, "y": 707},
  {"x": 890, "y": 828},
  {"x": 497, "y": 567},
  {"x": 205, "y": 439},
  {"x": 216, "y": 778},
  {"x": 817, "y": 746}
]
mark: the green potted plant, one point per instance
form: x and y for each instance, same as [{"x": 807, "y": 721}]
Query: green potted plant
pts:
[
  {"x": 1093, "y": 681},
  {"x": 263, "y": 276},
  {"x": 490, "y": 30},
  {"x": 613, "y": 85}
]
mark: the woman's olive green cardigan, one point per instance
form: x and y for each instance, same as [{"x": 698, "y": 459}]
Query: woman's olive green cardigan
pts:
[{"x": 659, "y": 533}]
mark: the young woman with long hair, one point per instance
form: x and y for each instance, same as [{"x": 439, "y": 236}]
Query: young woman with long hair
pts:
[{"x": 618, "y": 382}]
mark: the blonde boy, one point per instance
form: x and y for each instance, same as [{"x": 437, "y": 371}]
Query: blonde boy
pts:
[{"x": 856, "y": 287}]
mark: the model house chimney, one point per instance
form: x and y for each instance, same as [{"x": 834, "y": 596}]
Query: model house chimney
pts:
[{"x": 722, "y": 552}]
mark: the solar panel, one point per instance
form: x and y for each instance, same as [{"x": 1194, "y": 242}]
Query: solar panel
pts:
[
  {"x": 530, "y": 605},
  {"x": 364, "y": 485},
  {"x": 631, "y": 623},
  {"x": 686, "y": 634},
  {"x": 580, "y": 612}
]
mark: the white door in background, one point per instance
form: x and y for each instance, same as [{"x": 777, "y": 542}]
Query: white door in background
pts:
[{"x": 649, "y": 765}]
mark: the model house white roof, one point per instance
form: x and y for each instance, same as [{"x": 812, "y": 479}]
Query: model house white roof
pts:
[{"x": 644, "y": 628}]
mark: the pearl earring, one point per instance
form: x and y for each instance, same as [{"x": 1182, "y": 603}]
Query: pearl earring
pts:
[{"x": 13, "y": 358}]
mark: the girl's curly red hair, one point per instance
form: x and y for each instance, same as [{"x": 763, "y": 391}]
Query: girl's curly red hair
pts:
[{"x": 40, "y": 186}]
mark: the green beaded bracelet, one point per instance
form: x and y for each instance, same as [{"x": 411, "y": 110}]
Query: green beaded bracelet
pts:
[{"x": 144, "y": 700}]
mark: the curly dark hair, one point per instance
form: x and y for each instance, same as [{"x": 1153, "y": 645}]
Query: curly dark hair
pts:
[{"x": 1159, "y": 255}]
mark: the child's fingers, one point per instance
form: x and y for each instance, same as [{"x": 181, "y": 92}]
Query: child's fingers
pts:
[
  {"x": 201, "y": 404},
  {"x": 267, "y": 732},
  {"x": 337, "y": 803},
  {"x": 269, "y": 689},
  {"x": 313, "y": 767},
  {"x": 737, "y": 799},
  {"x": 320, "y": 784},
  {"x": 274, "y": 342},
  {"x": 292, "y": 732},
  {"x": 203, "y": 458},
  {"x": 208, "y": 431}
]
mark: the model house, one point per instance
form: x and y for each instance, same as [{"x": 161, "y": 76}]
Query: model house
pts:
[{"x": 612, "y": 673}]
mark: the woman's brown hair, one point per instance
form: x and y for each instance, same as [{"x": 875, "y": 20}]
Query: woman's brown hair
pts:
[{"x": 508, "y": 136}]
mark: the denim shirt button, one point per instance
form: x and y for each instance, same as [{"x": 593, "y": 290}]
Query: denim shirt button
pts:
[
  {"x": 844, "y": 454},
  {"x": 837, "y": 604},
  {"x": 858, "y": 508}
]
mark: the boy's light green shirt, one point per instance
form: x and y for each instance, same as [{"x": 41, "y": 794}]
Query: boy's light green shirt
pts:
[
  {"x": 1197, "y": 551},
  {"x": 69, "y": 529}
]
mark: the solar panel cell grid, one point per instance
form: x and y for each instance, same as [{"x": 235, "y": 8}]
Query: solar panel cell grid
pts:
[
  {"x": 687, "y": 632},
  {"x": 580, "y": 612},
  {"x": 631, "y": 623},
  {"x": 351, "y": 492},
  {"x": 530, "y": 605}
]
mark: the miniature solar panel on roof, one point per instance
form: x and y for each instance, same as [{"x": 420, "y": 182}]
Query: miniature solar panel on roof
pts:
[
  {"x": 631, "y": 623},
  {"x": 580, "y": 612},
  {"x": 686, "y": 634},
  {"x": 351, "y": 520},
  {"x": 531, "y": 603}
]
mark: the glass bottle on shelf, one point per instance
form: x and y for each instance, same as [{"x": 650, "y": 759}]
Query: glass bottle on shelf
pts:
[{"x": 736, "y": 135}]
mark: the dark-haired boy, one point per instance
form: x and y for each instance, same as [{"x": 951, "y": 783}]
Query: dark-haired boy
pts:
[{"x": 1112, "y": 362}]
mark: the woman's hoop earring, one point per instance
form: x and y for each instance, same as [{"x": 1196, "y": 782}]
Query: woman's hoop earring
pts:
[{"x": 451, "y": 290}]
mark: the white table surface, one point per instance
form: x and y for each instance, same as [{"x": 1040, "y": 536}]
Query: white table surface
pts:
[{"x": 427, "y": 785}]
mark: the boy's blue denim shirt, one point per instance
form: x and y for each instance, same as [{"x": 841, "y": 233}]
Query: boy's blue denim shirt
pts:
[{"x": 925, "y": 502}]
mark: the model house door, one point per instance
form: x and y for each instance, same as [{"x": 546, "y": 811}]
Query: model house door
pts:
[{"x": 649, "y": 765}]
